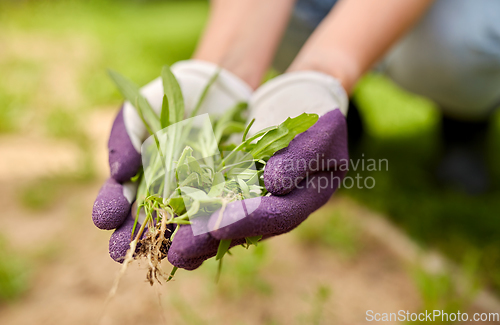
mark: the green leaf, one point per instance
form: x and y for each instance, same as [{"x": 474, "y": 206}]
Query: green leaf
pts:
[
  {"x": 188, "y": 151},
  {"x": 247, "y": 129},
  {"x": 197, "y": 195},
  {"x": 253, "y": 240},
  {"x": 189, "y": 180},
  {"x": 234, "y": 113},
  {"x": 173, "y": 92},
  {"x": 229, "y": 120},
  {"x": 165, "y": 113},
  {"x": 131, "y": 92},
  {"x": 244, "y": 188},
  {"x": 137, "y": 176},
  {"x": 229, "y": 147},
  {"x": 301, "y": 123},
  {"x": 194, "y": 165},
  {"x": 217, "y": 187},
  {"x": 183, "y": 222},
  {"x": 140, "y": 197},
  {"x": 280, "y": 137},
  {"x": 224, "y": 245},
  {"x": 246, "y": 144},
  {"x": 172, "y": 273},
  {"x": 205, "y": 92},
  {"x": 177, "y": 204},
  {"x": 193, "y": 209},
  {"x": 227, "y": 129},
  {"x": 246, "y": 174}
]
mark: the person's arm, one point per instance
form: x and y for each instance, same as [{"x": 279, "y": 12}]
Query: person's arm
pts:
[
  {"x": 242, "y": 36},
  {"x": 355, "y": 34}
]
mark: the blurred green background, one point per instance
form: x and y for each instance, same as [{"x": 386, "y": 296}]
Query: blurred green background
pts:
[{"x": 53, "y": 61}]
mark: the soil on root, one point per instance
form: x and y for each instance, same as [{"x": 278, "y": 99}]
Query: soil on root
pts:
[{"x": 154, "y": 248}]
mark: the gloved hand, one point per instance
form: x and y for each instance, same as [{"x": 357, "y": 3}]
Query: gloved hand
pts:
[
  {"x": 301, "y": 177},
  {"x": 112, "y": 207}
]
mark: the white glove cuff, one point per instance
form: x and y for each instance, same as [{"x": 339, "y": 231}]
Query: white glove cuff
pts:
[
  {"x": 294, "y": 93},
  {"x": 193, "y": 76},
  {"x": 227, "y": 90}
]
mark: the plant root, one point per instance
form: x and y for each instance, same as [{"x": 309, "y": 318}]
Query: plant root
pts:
[{"x": 154, "y": 247}]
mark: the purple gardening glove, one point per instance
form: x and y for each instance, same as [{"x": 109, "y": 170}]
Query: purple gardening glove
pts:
[
  {"x": 301, "y": 177},
  {"x": 112, "y": 207}
]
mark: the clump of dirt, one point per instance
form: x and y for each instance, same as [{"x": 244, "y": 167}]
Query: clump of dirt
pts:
[{"x": 154, "y": 248}]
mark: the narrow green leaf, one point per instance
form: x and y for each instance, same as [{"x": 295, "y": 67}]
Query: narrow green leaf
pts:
[
  {"x": 188, "y": 180},
  {"x": 188, "y": 151},
  {"x": 175, "y": 232},
  {"x": 197, "y": 194},
  {"x": 227, "y": 129},
  {"x": 172, "y": 273},
  {"x": 165, "y": 113},
  {"x": 280, "y": 137},
  {"x": 140, "y": 197},
  {"x": 247, "y": 129},
  {"x": 137, "y": 176},
  {"x": 195, "y": 207},
  {"x": 234, "y": 113},
  {"x": 205, "y": 92},
  {"x": 253, "y": 240},
  {"x": 219, "y": 271},
  {"x": 131, "y": 92},
  {"x": 247, "y": 143},
  {"x": 217, "y": 185},
  {"x": 229, "y": 119},
  {"x": 148, "y": 126},
  {"x": 244, "y": 187},
  {"x": 173, "y": 92},
  {"x": 194, "y": 165},
  {"x": 223, "y": 248},
  {"x": 257, "y": 135},
  {"x": 182, "y": 222}
]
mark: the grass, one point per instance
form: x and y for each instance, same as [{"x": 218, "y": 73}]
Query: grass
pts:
[
  {"x": 186, "y": 312},
  {"x": 241, "y": 272},
  {"x": 317, "y": 303},
  {"x": 19, "y": 78},
  {"x": 14, "y": 277},
  {"x": 331, "y": 229},
  {"x": 439, "y": 291},
  {"x": 10, "y": 113},
  {"x": 44, "y": 192},
  {"x": 132, "y": 37}
]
